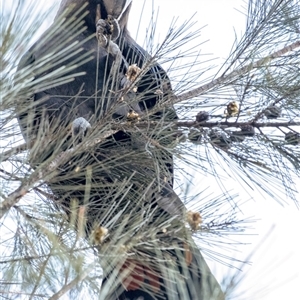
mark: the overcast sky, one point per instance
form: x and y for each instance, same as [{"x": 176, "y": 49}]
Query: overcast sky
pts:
[{"x": 278, "y": 261}]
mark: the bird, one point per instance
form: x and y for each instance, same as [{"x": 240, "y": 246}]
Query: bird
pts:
[{"x": 127, "y": 171}]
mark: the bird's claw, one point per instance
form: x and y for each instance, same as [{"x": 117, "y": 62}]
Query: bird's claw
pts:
[{"x": 107, "y": 31}]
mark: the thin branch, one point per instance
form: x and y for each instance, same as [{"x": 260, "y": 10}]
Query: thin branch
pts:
[
  {"x": 50, "y": 167},
  {"x": 81, "y": 276},
  {"x": 233, "y": 75},
  {"x": 18, "y": 149},
  {"x": 227, "y": 124}
]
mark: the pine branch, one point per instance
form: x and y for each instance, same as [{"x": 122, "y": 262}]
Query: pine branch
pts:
[
  {"x": 224, "y": 124},
  {"x": 67, "y": 287},
  {"x": 231, "y": 77},
  {"x": 13, "y": 151}
]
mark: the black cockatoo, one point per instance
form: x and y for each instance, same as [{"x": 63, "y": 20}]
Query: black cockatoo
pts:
[{"x": 128, "y": 169}]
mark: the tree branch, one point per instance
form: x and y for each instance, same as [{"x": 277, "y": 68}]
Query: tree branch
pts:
[
  {"x": 81, "y": 276},
  {"x": 189, "y": 124},
  {"x": 7, "y": 154},
  {"x": 45, "y": 171},
  {"x": 233, "y": 75}
]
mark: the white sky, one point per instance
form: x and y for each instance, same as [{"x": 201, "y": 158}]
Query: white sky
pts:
[{"x": 278, "y": 260}]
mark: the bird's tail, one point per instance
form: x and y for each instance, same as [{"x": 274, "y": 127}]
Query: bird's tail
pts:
[{"x": 175, "y": 272}]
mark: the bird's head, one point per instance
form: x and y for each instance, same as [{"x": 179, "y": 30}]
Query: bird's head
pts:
[{"x": 119, "y": 9}]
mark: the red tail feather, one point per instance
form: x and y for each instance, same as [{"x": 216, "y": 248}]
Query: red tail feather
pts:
[{"x": 134, "y": 275}]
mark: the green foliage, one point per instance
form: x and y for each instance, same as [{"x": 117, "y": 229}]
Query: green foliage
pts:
[{"x": 46, "y": 254}]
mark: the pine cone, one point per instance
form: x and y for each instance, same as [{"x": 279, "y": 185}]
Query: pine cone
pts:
[
  {"x": 272, "y": 112},
  {"x": 292, "y": 138},
  {"x": 247, "y": 130},
  {"x": 202, "y": 116},
  {"x": 232, "y": 109}
]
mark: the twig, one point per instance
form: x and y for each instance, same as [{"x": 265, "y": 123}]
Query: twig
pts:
[
  {"x": 189, "y": 124},
  {"x": 7, "y": 154},
  {"x": 49, "y": 169},
  {"x": 81, "y": 276},
  {"x": 233, "y": 75}
]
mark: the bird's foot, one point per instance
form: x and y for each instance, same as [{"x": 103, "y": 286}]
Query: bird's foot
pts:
[
  {"x": 107, "y": 31},
  {"x": 114, "y": 26},
  {"x": 103, "y": 32}
]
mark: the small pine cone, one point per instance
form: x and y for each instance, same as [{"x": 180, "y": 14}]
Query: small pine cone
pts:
[
  {"x": 133, "y": 72},
  {"x": 194, "y": 219},
  {"x": 133, "y": 116},
  {"x": 98, "y": 235},
  {"x": 202, "y": 116},
  {"x": 247, "y": 130},
  {"x": 272, "y": 112},
  {"x": 239, "y": 136},
  {"x": 292, "y": 138},
  {"x": 232, "y": 109}
]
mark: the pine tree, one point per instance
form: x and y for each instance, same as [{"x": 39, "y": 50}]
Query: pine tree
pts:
[{"x": 247, "y": 115}]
